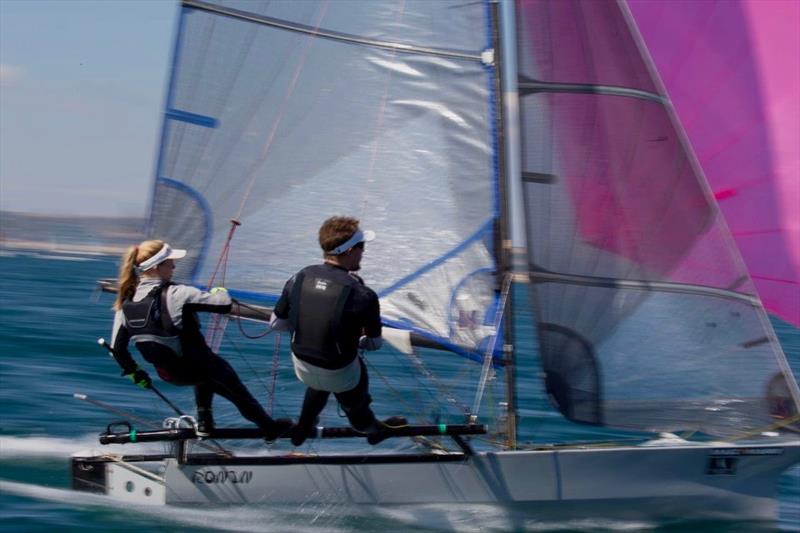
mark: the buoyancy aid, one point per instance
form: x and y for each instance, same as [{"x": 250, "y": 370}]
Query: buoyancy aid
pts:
[
  {"x": 316, "y": 311},
  {"x": 152, "y": 330}
]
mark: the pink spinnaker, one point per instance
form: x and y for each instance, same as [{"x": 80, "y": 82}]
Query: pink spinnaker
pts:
[{"x": 732, "y": 71}]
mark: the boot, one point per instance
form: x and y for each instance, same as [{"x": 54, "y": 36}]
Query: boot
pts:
[
  {"x": 299, "y": 433},
  {"x": 205, "y": 422},
  {"x": 379, "y": 430},
  {"x": 278, "y": 428}
]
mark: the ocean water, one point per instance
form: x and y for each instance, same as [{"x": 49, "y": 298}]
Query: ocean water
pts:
[{"x": 50, "y": 318}]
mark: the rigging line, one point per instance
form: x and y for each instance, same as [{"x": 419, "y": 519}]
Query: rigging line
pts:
[
  {"x": 419, "y": 365},
  {"x": 381, "y": 115},
  {"x": 489, "y": 354},
  {"x": 392, "y": 389},
  {"x": 239, "y": 322},
  {"x": 275, "y": 365},
  {"x": 255, "y": 373},
  {"x": 218, "y": 323},
  {"x": 282, "y": 109},
  {"x": 223, "y": 256},
  {"x": 327, "y": 34}
]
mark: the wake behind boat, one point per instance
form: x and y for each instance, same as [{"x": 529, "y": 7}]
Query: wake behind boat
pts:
[{"x": 646, "y": 319}]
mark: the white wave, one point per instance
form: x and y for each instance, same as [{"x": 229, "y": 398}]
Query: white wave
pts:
[
  {"x": 489, "y": 518},
  {"x": 61, "y": 448},
  {"x": 297, "y": 519}
]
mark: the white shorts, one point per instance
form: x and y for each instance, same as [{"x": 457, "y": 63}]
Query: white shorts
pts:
[{"x": 339, "y": 380}]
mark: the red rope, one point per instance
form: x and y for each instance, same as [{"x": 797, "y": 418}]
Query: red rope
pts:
[
  {"x": 218, "y": 323},
  {"x": 222, "y": 262}
]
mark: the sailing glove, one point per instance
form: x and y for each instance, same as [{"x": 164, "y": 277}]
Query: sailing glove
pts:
[{"x": 141, "y": 378}]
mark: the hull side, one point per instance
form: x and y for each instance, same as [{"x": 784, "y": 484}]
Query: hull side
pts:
[
  {"x": 627, "y": 482},
  {"x": 664, "y": 483}
]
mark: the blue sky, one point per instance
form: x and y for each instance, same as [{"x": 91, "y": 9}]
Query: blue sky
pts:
[{"x": 81, "y": 92}]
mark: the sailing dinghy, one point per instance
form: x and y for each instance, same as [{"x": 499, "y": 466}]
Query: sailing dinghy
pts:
[{"x": 283, "y": 113}]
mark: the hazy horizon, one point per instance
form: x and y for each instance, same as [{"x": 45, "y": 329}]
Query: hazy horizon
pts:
[{"x": 81, "y": 99}]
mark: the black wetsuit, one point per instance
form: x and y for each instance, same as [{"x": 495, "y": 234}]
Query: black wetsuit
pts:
[
  {"x": 149, "y": 319},
  {"x": 327, "y": 325}
]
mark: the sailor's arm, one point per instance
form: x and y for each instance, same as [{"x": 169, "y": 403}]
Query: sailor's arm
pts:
[
  {"x": 119, "y": 342},
  {"x": 279, "y": 321},
  {"x": 187, "y": 299},
  {"x": 372, "y": 339},
  {"x": 193, "y": 299}
]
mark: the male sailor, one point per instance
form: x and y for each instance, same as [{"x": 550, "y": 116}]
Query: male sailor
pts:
[
  {"x": 160, "y": 317},
  {"x": 331, "y": 315}
]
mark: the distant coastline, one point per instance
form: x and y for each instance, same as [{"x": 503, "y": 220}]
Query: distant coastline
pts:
[
  {"x": 51, "y": 247},
  {"x": 84, "y": 235}
]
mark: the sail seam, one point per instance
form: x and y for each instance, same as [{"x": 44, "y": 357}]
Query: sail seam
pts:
[
  {"x": 656, "y": 286},
  {"x": 327, "y": 34},
  {"x": 532, "y": 87}
]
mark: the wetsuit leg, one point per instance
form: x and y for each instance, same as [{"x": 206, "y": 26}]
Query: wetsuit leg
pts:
[
  {"x": 355, "y": 402},
  {"x": 222, "y": 379},
  {"x": 313, "y": 404},
  {"x": 203, "y": 396}
]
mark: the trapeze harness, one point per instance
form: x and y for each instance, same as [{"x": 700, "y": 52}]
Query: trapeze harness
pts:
[
  {"x": 160, "y": 342},
  {"x": 325, "y": 342}
]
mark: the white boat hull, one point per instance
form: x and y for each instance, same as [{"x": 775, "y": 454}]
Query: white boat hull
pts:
[{"x": 669, "y": 482}]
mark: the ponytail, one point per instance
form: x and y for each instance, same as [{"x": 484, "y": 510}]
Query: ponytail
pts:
[{"x": 128, "y": 278}]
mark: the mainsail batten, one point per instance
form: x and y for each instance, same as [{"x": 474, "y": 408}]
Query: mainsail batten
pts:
[
  {"x": 336, "y": 36},
  {"x": 530, "y": 86},
  {"x": 541, "y": 276}
]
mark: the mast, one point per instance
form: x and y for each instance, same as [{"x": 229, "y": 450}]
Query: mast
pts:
[{"x": 503, "y": 242}]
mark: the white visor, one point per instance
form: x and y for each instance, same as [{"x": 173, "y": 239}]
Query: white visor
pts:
[
  {"x": 166, "y": 252},
  {"x": 358, "y": 236}
]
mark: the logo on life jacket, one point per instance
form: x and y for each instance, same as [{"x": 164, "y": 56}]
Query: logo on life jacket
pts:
[{"x": 321, "y": 284}]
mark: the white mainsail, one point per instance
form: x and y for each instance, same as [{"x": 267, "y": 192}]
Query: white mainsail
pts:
[{"x": 282, "y": 114}]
